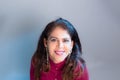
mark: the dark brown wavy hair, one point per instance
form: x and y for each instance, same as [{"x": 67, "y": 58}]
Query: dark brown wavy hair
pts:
[{"x": 39, "y": 59}]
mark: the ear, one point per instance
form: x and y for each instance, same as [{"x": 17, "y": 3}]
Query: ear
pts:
[{"x": 45, "y": 42}]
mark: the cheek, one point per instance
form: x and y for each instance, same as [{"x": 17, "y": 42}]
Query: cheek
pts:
[
  {"x": 51, "y": 48},
  {"x": 68, "y": 48}
]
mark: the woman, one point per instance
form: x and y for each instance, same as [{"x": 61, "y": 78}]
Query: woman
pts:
[{"x": 58, "y": 54}]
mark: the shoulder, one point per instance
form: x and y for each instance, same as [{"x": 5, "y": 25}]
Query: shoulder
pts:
[{"x": 81, "y": 68}]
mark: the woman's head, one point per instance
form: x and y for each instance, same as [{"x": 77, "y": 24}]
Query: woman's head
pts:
[{"x": 61, "y": 37}]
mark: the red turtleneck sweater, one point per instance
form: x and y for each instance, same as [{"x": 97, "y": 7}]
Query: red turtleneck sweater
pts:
[{"x": 55, "y": 72}]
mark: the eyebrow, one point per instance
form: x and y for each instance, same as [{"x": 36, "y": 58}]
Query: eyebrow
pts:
[
  {"x": 57, "y": 38},
  {"x": 52, "y": 37}
]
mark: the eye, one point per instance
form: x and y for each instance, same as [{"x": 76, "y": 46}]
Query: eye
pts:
[
  {"x": 66, "y": 40},
  {"x": 53, "y": 39}
]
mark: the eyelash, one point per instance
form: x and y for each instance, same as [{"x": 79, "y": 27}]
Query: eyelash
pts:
[{"x": 65, "y": 40}]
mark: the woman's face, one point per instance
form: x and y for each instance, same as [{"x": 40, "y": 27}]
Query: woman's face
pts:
[{"x": 59, "y": 44}]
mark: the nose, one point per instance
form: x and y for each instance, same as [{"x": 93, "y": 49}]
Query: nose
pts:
[{"x": 60, "y": 44}]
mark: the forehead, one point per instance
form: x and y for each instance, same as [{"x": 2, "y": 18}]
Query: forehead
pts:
[{"x": 59, "y": 32}]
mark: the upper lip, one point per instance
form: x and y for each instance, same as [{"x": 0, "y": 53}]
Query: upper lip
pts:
[{"x": 59, "y": 51}]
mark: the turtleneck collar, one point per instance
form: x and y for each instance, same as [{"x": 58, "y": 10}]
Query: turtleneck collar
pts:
[{"x": 57, "y": 66}]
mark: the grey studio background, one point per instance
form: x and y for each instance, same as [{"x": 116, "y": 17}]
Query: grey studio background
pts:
[{"x": 97, "y": 22}]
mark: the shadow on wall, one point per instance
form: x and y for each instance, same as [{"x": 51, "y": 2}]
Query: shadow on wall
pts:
[
  {"x": 18, "y": 41},
  {"x": 15, "y": 56}
]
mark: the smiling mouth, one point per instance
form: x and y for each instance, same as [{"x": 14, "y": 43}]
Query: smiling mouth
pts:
[{"x": 59, "y": 52}]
